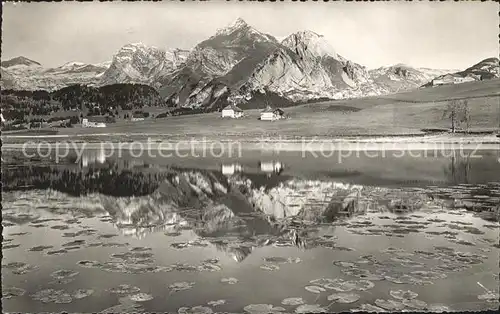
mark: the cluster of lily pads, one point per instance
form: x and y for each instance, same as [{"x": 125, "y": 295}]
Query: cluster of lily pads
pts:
[
  {"x": 61, "y": 296},
  {"x": 140, "y": 260},
  {"x": 20, "y": 268}
]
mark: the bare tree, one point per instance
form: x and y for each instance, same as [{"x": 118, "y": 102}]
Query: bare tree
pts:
[
  {"x": 458, "y": 112},
  {"x": 465, "y": 114}
]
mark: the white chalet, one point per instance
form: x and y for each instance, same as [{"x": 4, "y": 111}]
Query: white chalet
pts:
[
  {"x": 271, "y": 114},
  {"x": 94, "y": 122},
  {"x": 230, "y": 169},
  {"x": 232, "y": 111},
  {"x": 271, "y": 167}
]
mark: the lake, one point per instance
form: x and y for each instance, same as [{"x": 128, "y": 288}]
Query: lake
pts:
[{"x": 260, "y": 232}]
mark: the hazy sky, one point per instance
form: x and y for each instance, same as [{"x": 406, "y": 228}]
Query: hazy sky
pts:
[{"x": 447, "y": 35}]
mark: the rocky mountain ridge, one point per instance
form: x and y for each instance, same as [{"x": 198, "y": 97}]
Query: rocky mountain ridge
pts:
[
  {"x": 234, "y": 65},
  {"x": 26, "y": 74}
]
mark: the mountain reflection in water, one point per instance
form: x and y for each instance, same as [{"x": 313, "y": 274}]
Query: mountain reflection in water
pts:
[
  {"x": 247, "y": 201},
  {"x": 252, "y": 220}
]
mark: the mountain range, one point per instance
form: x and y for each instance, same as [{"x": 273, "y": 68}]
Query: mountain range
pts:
[{"x": 234, "y": 65}]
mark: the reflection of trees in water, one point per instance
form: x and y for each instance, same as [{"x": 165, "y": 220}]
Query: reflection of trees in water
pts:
[
  {"x": 458, "y": 170},
  {"x": 74, "y": 182}
]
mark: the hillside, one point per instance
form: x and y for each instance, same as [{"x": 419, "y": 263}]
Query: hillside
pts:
[
  {"x": 399, "y": 114},
  {"x": 487, "y": 69},
  {"x": 24, "y": 108}
]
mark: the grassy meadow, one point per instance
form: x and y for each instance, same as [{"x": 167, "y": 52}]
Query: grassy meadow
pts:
[{"x": 405, "y": 113}]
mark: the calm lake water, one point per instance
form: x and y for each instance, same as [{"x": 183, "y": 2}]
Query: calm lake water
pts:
[{"x": 259, "y": 233}]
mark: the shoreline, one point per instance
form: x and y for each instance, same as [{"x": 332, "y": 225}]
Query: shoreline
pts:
[
  {"x": 379, "y": 143},
  {"x": 490, "y": 138}
]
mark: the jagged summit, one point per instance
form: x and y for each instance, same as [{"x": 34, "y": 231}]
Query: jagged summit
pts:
[
  {"x": 240, "y": 23},
  {"x": 310, "y": 43},
  {"x": 139, "y": 63},
  {"x": 236, "y": 25}
]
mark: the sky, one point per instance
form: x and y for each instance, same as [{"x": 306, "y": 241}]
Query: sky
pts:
[{"x": 446, "y": 35}]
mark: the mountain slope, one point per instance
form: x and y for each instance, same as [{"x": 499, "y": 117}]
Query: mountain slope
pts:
[
  {"x": 8, "y": 80},
  {"x": 487, "y": 69},
  {"x": 305, "y": 66},
  {"x": 138, "y": 63},
  {"x": 19, "y": 61},
  {"x": 25, "y": 74},
  {"x": 216, "y": 64},
  {"x": 402, "y": 77}
]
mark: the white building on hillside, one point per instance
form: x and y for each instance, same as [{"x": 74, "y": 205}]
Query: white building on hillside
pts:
[
  {"x": 137, "y": 118},
  {"x": 271, "y": 167},
  {"x": 271, "y": 114},
  {"x": 94, "y": 122},
  {"x": 230, "y": 169},
  {"x": 232, "y": 111}
]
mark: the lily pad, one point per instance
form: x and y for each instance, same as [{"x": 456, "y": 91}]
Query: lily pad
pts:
[
  {"x": 390, "y": 305},
  {"x": 139, "y": 248},
  {"x": 11, "y": 292},
  {"x": 292, "y": 301},
  {"x": 141, "y": 297},
  {"x": 209, "y": 267},
  {"x": 325, "y": 281},
  {"x": 14, "y": 234},
  {"x": 369, "y": 308},
  {"x": 195, "y": 310},
  {"x": 229, "y": 280},
  {"x": 126, "y": 306},
  {"x": 10, "y": 246},
  {"x": 263, "y": 309},
  {"x": 344, "y": 264},
  {"x": 184, "y": 267},
  {"x": 270, "y": 267},
  {"x": 73, "y": 243},
  {"x": 415, "y": 304},
  {"x": 60, "y": 227},
  {"x": 216, "y": 302},
  {"x": 277, "y": 260},
  {"x": 310, "y": 308},
  {"x": 52, "y": 296},
  {"x": 89, "y": 264},
  {"x": 489, "y": 297},
  {"x": 40, "y": 248},
  {"x": 57, "y": 252},
  {"x": 124, "y": 289},
  {"x": 438, "y": 308},
  {"x": 403, "y": 294},
  {"x": 63, "y": 274},
  {"x": 344, "y": 297},
  {"x": 180, "y": 286},
  {"x": 24, "y": 269},
  {"x": 82, "y": 293},
  {"x": 315, "y": 289}
]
